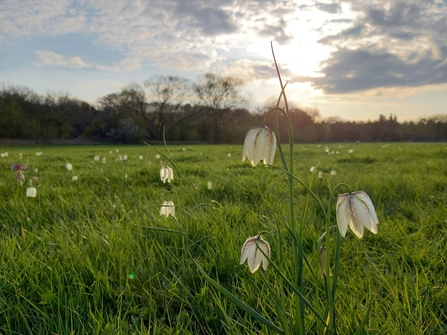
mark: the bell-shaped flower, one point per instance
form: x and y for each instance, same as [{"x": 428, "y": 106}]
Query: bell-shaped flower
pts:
[
  {"x": 31, "y": 192},
  {"x": 166, "y": 174},
  {"x": 167, "y": 208},
  {"x": 251, "y": 252},
  {"x": 259, "y": 144},
  {"x": 356, "y": 211}
]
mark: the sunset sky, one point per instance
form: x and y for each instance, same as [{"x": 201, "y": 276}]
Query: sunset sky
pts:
[{"x": 352, "y": 59}]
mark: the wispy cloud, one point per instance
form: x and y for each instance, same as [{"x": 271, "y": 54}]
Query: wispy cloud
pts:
[{"x": 48, "y": 58}]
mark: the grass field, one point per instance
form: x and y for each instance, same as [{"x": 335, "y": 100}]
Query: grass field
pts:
[{"x": 94, "y": 256}]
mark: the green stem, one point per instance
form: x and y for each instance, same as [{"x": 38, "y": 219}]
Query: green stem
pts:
[{"x": 298, "y": 250}]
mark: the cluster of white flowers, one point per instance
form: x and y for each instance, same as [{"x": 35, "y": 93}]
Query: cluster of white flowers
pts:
[{"x": 354, "y": 210}]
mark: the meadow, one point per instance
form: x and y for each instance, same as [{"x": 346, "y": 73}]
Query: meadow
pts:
[{"x": 93, "y": 255}]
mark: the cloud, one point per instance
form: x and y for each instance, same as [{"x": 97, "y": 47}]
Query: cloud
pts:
[
  {"x": 205, "y": 17},
  {"x": 276, "y": 32},
  {"x": 358, "y": 70},
  {"x": 251, "y": 71},
  {"x": 388, "y": 44},
  {"x": 333, "y": 8},
  {"x": 48, "y": 58}
]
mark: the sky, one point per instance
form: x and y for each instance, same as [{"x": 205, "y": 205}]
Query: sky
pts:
[{"x": 354, "y": 59}]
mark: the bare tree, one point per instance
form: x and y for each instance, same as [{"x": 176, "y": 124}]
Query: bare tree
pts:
[
  {"x": 217, "y": 96},
  {"x": 168, "y": 97}
]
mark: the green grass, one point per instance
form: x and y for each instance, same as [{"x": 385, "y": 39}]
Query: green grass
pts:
[{"x": 95, "y": 257}]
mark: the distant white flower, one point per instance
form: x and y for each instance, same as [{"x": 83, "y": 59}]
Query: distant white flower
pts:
[
  {"x": 157, "y": 156},
  {"x": 110, "y": 151},
  {"x": 229, "y": 154},
  {"x": 350, "y": 151},
  {"x": 210, "y": 185},
  {"x": 69, "y": 166},
  {"x": 166, "y": 174},
  {"x": 74, "y": 178},
  {"x": 250, "y": 252},
  {"x": 103, "y": 159},
  {"x": 96, "y": 158},
  {"x": 184, "y": 149},
  {"x": 167, "y": 208},
  {"x": 312, "y": 169},
  {"x": 117, "y": 150},
  {"x": 125, "y": 157},
  {"x": 140, "y": 157},
  {"x": 333, "y": 172},
  {"x": 320, "y": 174},
  {"x": 356, "y": 211},
  {"x": 31, "y": 192},
  {"x": 259, "y": 144}
]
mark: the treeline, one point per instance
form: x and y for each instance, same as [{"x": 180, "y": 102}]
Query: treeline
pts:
[{"x": 208, "y": 111}]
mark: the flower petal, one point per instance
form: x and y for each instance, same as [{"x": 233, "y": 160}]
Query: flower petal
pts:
[
  {"x": 355, "y": 215},
  {"x": 342, "y": 214}
]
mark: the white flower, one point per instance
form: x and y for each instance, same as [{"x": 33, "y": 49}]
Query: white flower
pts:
[
  {"x": 259, "y": 144},
  {"x": 312, "y": 169},
  {"x": 167, "y": 208},
  {"x": 320, "y": 174},
  {"x": 250, "y": 252},
  {"x": 350, "y": 151},
  {"x": 166, "y": 174},
  {"x": 210, "y": 185},
  {"x": 157, "y": 156},
  {"x": 356, "y": 211},
  {"x": 140, "y": 157},
  {"x": 333, "y": 172},
  {"x": 31, "y": 192},
  {"x": 125, "y": 157},
  {"x": 69, "y": 167},
  {"x": 96, "y": 158},
  {"x": 74, "y": 178}
]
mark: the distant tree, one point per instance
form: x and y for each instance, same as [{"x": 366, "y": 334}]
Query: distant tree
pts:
[
  {"x": 217, "y": 95},
  {"x": 168, "y": 95}
]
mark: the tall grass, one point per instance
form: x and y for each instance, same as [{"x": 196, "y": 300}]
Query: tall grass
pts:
[{"x": 95, "y": 257}]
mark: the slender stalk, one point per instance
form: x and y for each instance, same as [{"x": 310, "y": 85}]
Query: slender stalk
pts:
[{"x": 297, "y": 249}]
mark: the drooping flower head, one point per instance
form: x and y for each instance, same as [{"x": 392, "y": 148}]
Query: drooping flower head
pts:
[
  {"x": 167, "y": 208},
  {"x": 356, "y": 211},
  {"x": 259, "y": 144},
  {"x": 250, "y": 252},
  {"x": 19, "y": 167},
  {"x": 166, "y": 174},
  {"x": 31, "y": 192}
]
